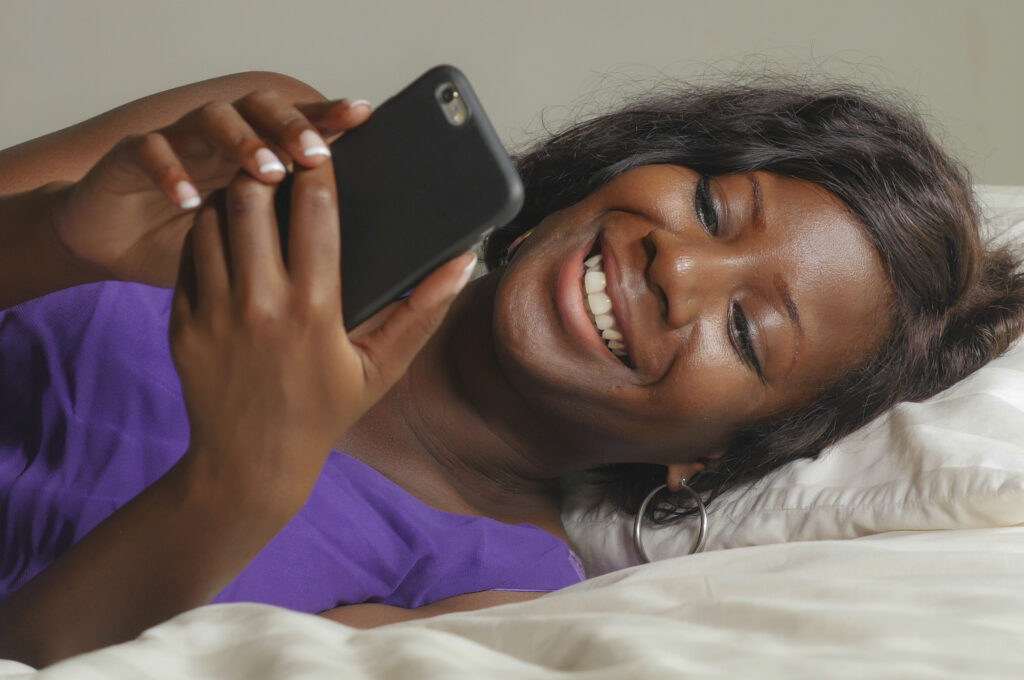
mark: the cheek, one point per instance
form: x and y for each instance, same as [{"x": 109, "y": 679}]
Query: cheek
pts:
[
  {"x": 708, "y": 396},
  {"x": 529, "y": 354},
  {"x": 694, "y": 406},
  {"x": 520, "y": 323},
  {"x": 531, "y": 337}
]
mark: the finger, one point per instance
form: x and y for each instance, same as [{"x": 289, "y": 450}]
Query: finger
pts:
[
  {"x": 255, "y": 247},
  {"x": 185, "y": 298},
  {"x": 281, "y": 154},
  {"x": 314, "y": 236},
  {"x": 153, "y": 154},
  {"x": 388, "y": 350},
  {"x": 226, "y": 131},
  {"x": 213, "y": 281},
  {"x": 282, "y": 124},
  {"x": 334, "y": 117}
]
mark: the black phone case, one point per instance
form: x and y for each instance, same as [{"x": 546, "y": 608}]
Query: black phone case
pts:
[{"x": 414, "y": 190}]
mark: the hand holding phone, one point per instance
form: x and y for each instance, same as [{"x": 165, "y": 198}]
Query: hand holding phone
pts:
[
  {"x": 421, "y": 181},
  {"x": 246, "y": 322}
]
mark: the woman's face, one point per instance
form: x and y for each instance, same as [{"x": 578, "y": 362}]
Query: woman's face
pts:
[{"x": 735, "y": 297}]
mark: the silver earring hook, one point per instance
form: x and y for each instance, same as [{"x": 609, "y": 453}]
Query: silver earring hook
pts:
[{"x": 698, "y": 545}]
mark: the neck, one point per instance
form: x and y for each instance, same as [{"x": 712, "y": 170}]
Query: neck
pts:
[{"x": 455, "y": 434}]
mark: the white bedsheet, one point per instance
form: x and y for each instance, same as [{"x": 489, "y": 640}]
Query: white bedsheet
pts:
[{"x": 944, "y": 604}]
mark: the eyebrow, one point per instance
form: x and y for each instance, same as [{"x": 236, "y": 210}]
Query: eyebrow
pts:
[
  {"x": 787, "y": 301},
  {"x": 780, "y": 283},
  {"x": 759, "y": 224},
  {"x": 792, "y": 311}
]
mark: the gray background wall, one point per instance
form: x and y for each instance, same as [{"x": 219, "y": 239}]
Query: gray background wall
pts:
[{"x": 65, "y": 61}]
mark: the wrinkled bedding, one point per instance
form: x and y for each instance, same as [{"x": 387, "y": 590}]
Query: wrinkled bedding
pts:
[{"x": 942, "y": 604}]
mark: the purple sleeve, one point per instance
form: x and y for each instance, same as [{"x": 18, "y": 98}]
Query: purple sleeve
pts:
[{"x": 90, "y": 415}]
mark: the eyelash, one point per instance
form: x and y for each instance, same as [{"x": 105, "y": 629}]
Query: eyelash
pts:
[
  {"x": 704, "y": 206},
  {"x": 739, "y": 327},
  {"x": 739, "y": 330}
]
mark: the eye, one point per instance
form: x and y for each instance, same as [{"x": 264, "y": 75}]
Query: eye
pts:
[
  {"x": 739, "y": 333},
  {"x": 704, "y": 205}
]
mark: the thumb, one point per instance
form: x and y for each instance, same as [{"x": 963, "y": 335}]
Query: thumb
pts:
[
  {"x": 390, "y": 348},
  {"x": 334, "y": 117}
]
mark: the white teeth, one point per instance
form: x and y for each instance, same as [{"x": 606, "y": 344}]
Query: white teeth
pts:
[
  {"x": 599, "y": 303},
  {"x": 594, "y": 282}
]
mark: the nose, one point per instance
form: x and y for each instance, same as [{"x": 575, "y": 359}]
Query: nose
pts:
[{"x": 689, "y": 274}]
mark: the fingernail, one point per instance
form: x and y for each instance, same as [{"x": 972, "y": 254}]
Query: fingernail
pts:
[
  {"x": 312, "y": 144},
  {"x": 187, "y": 194},
  {"x": 269, "y": 162},
  {"x": 356, "y": 103},
  {"x": 467, "y": 274}
]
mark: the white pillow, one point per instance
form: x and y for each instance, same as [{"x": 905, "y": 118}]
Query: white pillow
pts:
[{"x": 955, "y": 461}]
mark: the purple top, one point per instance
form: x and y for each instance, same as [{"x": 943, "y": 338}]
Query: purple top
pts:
[{"x": 91, "y": 413}]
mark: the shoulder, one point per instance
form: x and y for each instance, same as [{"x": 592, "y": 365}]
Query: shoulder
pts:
[{"x": 444, "y": 554}]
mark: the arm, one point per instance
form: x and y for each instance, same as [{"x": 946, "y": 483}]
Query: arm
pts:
[
  {"x": 33, "y": 262},
  {"x": 68, "y": 154},
  {"x": 374, "y": 615},
  {"x": 172, "y": 548},
  {"x": 123, "y": 216}
]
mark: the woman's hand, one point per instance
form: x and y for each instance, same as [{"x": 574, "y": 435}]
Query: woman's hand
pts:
[
  {"x": 270, "y": 377},
  {"x": 127, "y": 218}
]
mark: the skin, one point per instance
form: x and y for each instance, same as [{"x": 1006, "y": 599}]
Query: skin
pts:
[
  {"x": 97, "y": 204},
  {"x": 505, "y": 399},
  {"x": 507, "y": 395}
]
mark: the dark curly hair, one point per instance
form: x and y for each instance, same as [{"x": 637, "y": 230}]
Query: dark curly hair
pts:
[{"x": 957, "y": 304}]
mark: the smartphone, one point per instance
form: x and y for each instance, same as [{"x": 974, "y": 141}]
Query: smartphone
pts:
[{"x": 421, "y": 181}]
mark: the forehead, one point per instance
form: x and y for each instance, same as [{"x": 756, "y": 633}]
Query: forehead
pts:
[{"x": 833, "y": 272}]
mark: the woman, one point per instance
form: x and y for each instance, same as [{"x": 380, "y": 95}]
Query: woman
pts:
[{"x": 763, "y": 252}]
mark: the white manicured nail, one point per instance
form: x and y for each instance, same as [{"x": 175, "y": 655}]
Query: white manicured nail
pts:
[
  {"x": 188, "y": 195},
  {"x": 356, "y": 103},
  {"x": 312, "y": 144},
  {"x": 467, "y": 274},
  {"x": 269, "y": 162}
]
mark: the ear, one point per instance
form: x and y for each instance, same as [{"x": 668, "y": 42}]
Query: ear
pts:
[{"x": 679, "y": 471}]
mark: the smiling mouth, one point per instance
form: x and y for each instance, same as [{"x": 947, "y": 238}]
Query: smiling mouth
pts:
[{"x": 599, "y": 306}]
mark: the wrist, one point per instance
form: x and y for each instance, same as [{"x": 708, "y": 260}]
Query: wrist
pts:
[
  {"x": 33, "y": 261},
  {"x": 56, "y": 219},
  {"x": 206, "y": 478}
]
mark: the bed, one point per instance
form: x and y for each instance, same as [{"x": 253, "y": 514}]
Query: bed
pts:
[{"x": 898, "y": 553}]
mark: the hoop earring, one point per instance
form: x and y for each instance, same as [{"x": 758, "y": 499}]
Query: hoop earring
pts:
[
  {"x": 698, "y": 545},
  {"x": 515, "y": 244}
]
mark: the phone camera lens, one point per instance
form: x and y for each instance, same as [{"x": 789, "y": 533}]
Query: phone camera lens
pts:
[{"x": 451, "y": 103}]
